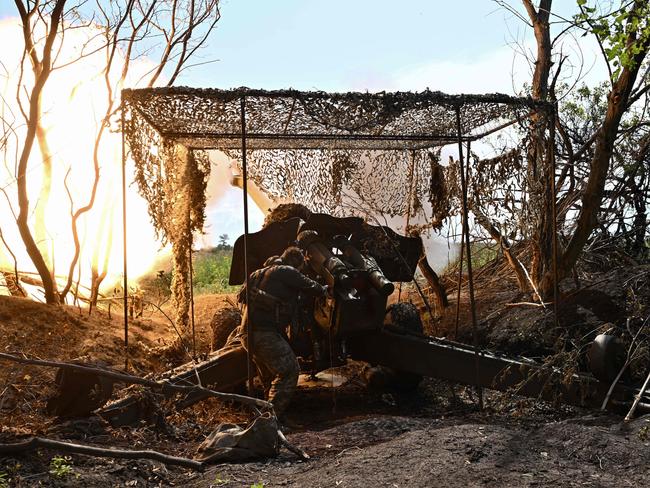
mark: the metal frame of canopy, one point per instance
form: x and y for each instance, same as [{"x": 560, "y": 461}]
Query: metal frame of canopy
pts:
[
  {"x": 247, "y": 119},
  {"x": 208, "y": 118}
]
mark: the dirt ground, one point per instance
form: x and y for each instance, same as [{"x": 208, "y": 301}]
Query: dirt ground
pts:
[
  {"x": 433, "y": 437},
  {"x": 468, "y": 450}
]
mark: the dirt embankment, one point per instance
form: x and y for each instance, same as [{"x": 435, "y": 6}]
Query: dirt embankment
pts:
[{"x": 357, "y": 438}]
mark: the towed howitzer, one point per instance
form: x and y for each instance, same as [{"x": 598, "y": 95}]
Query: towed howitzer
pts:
[
  {"x": 355, "y": 322},
  {"x": 360, "y": 289}
]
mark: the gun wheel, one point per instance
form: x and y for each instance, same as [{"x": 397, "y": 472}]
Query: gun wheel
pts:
[
  {"x": 224, "y": 321},
  {"x": 403, "y": 317}
]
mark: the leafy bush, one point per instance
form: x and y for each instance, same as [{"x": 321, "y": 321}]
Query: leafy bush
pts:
[{"x": 211, "y": 272}]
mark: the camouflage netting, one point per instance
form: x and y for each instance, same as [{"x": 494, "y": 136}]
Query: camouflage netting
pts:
[
  {"x": 316, "y": 148},
  {"x": 332, "y": 152}
]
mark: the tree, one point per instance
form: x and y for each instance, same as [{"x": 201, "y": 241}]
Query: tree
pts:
[
  {"x": 168, "y": 32},
  {"x": 626, "y": 41},
  {"x": 223, "y": 241},
  {"x": 186, "y": 28},
  {"x": 623, "y": 33},
  {"x": 32, "y": 14}
]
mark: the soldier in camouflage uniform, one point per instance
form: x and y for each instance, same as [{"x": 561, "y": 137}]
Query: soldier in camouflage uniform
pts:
[{"x": 273, "y": 296}]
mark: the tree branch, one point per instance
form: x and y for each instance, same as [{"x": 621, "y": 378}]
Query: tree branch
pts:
[
  {"x": 163, "y": 386},
  {"x": 43, "y": 443}
]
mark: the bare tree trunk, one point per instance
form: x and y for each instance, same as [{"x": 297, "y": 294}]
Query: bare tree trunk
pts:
[
  {"x": 97, "y": 277},
  {"x": 40, "y": 229},
  {"x": 430, "y": 275},
  {"x": 49, "y": 285},
  {"x": 540, "y": 170},
  {"x": 82, "y": 210},
  {"x": 514, "y": 263}
]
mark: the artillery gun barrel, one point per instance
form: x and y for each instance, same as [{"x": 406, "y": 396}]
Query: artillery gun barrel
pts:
[
  {"x": 323, "y": 261},
  {"x": 375, "y": 274}
]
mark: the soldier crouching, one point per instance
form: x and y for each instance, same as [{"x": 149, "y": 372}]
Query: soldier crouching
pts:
[{"x": 273, "y": 295}]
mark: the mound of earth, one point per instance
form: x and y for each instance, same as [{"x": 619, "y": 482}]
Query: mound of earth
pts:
[
  {"x": 431, "y": 437},
  {"x": 509, "y": 322},
  {"x": 67, "y": 333}
]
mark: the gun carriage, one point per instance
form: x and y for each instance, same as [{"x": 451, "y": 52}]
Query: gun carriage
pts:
[{"x": 361, "y": 262}]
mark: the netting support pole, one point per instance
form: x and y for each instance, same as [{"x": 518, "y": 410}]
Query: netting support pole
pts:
[
  {"x": 462, "y": 256},
  {"x": 249, "y": 329},
  {"x": 192, "y": 299},
  {"x": 468, "y": 253},
  {"x": 551, "y": 155},
  {"x": 124, "y": 256},
  {"x": 408, "y": 211},
  {"x": 460, "y": 279}
]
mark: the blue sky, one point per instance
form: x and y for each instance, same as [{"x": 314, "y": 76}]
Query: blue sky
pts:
[
  {"x": 345, "y": 44},
  {"x": 341, "y": 45}
]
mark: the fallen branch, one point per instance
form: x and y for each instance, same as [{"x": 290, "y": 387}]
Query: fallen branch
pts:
[
  {"x": 163, "y": 386},
  {"x": 637, "y": 399},
  {"x": 41, "y": 442},
  {"x": 294, "y": 449},
  {"x": 528, "y": 304}
]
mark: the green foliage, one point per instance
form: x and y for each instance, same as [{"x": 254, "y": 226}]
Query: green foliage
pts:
[
  {"x": 219, "y": 481},
  {"x": 257, "y": 485},
  {"x": 156, "y": 286},
  {"x": 4, "y": 479},
  {"x": 10, "y": 475},
  {"x": 223, "y": 242},
  {"x": 622, "y": 32},
  {"x": 60, "y": 466},
  {"x": 483, "y": 254},
  {"x": 211, "y": 272},
  {"x": 582, "y": 111}
]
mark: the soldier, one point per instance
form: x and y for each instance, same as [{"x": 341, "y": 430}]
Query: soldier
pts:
[{"x": 273, "y": 296}]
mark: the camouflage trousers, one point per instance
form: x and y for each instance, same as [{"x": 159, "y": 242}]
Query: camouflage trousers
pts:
[{"x": 277, "y": 366}]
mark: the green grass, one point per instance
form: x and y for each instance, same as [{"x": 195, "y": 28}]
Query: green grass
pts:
[
  {"x": 482, "y": 254},
  {"x": 211, "y": 272}
]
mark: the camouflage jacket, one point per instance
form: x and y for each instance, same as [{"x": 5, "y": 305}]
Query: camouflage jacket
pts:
[{"x": 274, "y": 293}]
